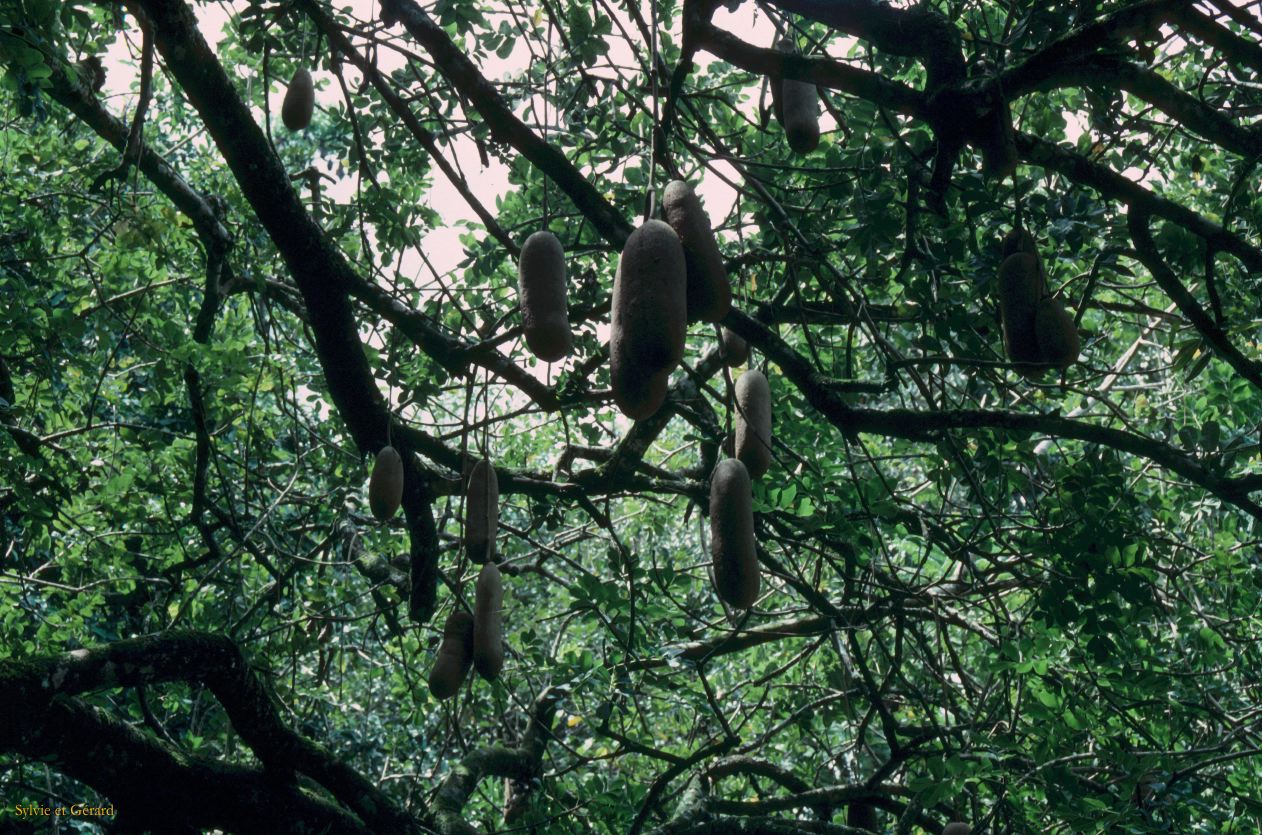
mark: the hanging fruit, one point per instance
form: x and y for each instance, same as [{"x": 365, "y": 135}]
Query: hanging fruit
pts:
[
  {"x": 299, "y": 104},
  {"x": 385, "y": 485},
  {"x": 1056, "y": 334},
  {"x": 488, "y": 623},
  {"x": 648, "y": 318},
  {"x": 542, "y": 288},
  {"x": 733, "y": 349},
  {"x": 455, "y": 656},
  {"x": 709, "y": 293},
  {"x": 482, "y": 512},
  {"x": 1020, "y": 288},
  {"x": 736, "y": 574},
  {"x": 796, "y": 105},
  {"x": 752, "y": 423}
]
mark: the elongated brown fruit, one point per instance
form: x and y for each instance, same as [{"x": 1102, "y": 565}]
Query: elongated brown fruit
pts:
[
  {"x": 862, "y": 815},
  {"x": 782, "y": 45},
  {"x": 637, "y": 395},
  {"x": 796, "y": 106},
  {"x": 1020, "y": 288},
  {"x": 800, "y": 105},
  {"x": 1018, "y": 240},
  {"x": 709, "y": 292},
  {"x": 455, "y": 656},
  {"x": 736, "y": 576},
  {"x": 541, "y": 283},
  {"x": 299, "y": 102},
  {"x": 998, "y": 143},
  {"x": 385, "y": 485},
  {"x": 481, "y": 512},
  {"x": 488, "y": 623},
  {"x": 957, "y": 828},
  {"x": 752, "y": 424},
  {"x": 734, "y": 349},
  {"x": 1056, "y": 334},
  {"x": 648, "y": 317}
]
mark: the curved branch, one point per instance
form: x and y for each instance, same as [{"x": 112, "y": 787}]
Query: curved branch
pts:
[
  {"x": 77, "y": 97},
  {"x": 751, "y": 765},
  {"x": 1084, "y": 42},
  {"x": 919, "y": 31},
  {"x": 1184, "y": 108},
  {"x": 337, "y": 38},
  {"x": 825, "y": 72},
  {"x": 1237, "y": 49},
  {"x": 197, "y": 794},
  {"x": 201, "y": 658},
  {"x": 504, "y": 125},
  {"x": 921, "y": 425},
  {"x": 1146, "y": 250},
  {"x": 522, "y": 764},
  {"x": 1113, "y": 185},
  {"x": 321, "y": 273}
]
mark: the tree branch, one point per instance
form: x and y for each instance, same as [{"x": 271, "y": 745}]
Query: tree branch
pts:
[
  {"x": 1085, "y": 42},
  {"x": 921, "y": 425},
  {"x": 337, "y": 38},
  {"x": 917, "y": 31},
  {"x": 1237, "y": 49},
  {"x": 522, "y": 764},
  {"x": 464, "y": 75},
  {"x": 1184, "y": 108},
  {"x": 1113, "y": 185},
  {"x": 825, "y": 72},
  {"x": 320, "y": 271},
  {"x": 196, "y": 794},
  {"x": 1146, "y": 250},
  {"x": 201, "y": 658}
]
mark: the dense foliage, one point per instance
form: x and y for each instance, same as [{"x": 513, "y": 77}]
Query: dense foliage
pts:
[{"x": 1032, "y": 605}]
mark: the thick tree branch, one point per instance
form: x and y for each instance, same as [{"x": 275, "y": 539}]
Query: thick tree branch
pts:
[
  {"x": 922, "y": 425},
  {"x": 956, "y": 112},
  {"x": 79, "y": 99},
  {"x": 1146, "y": 250},
  {"x": 917, "y": 31},
  {"x": 522, "y": 764},
  {"x": 453, "y": 354},
  {"x": 464, "y": 75},
  {"x": 197, "y": 658},
  {"x": 1085, "y": 42},
  {"x": 825, "y": 72},
  {"x": 1113, "y": 185},
  {"x": 1239, "y": 14},
  {"x": 196, "y": 794},
  {"x": 1145, "y": 84},
  {"x": 1239, "y": 50},
  {"x": 337, "y": 38},
  {"x": 1045, "y": 67},
  {"x": 320, "y": 271}
]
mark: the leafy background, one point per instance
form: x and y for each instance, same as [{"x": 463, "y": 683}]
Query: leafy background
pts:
[{"x": 1066, "y": 635}]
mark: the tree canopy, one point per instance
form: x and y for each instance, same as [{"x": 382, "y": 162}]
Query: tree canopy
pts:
[{"x": 1019, "y": 594}]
